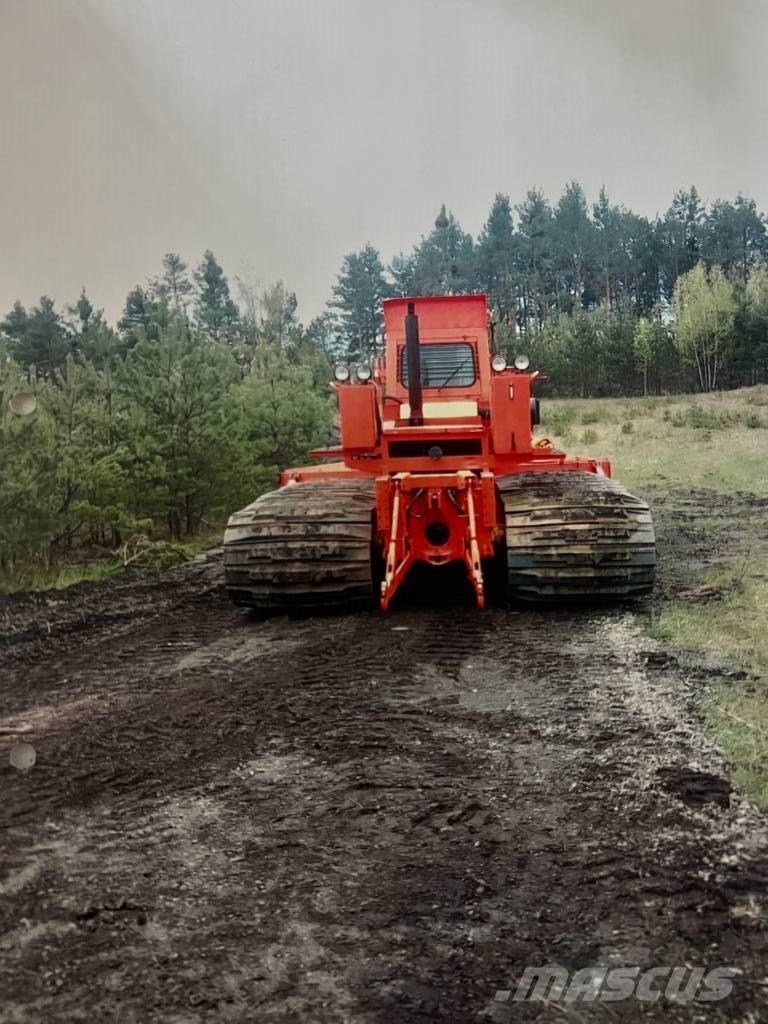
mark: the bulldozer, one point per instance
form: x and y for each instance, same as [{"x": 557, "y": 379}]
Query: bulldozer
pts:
[{"x": 438, "y": 464}]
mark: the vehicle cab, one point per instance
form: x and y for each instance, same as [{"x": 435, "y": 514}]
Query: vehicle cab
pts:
[{"x": 454, "y": 356}]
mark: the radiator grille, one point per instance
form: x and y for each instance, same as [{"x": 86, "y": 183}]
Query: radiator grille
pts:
[{"x": 420, "y": 449}]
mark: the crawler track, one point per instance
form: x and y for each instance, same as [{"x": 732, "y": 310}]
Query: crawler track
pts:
[
  {"x": 568, "y": 535},
  {"x": 575, "y": 535},
  {"x": 302, "y": 546}
]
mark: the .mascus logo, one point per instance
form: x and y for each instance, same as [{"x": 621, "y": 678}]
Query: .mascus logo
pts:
[{"x": 553, "y": 984}]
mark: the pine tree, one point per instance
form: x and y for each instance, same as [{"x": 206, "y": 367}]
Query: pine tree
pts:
[
  {"x": 734, "y": 236},
  {"x": 177, "y": 283},
  {"x": 25, "y": 464},
  {"x": 356, "y": 304},
  {"x": 38, "y": 339},
  {"x": 278, "y": 323},
  {"x": 216, "y": 313},
  {"x": 683, "y": 235},
  {"x": 535, "y": 259},
  {"x": 574, "y": 243},
  {"x": 282, "y": 415},
  {"x": 495, "y": 259},
  {"x": 141, "y": 317},
  {"x": 751, "y": 355},
  {"x": 178, "y": 425},
  {"x": 445, "y": 259},
  {"x": 402, "y": 271}
]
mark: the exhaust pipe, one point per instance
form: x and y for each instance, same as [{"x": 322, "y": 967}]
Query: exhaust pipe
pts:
[{"x": 414, "y": 367}]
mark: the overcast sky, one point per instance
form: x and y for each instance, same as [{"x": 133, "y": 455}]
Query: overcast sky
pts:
[{"x": 283, "y": 134}]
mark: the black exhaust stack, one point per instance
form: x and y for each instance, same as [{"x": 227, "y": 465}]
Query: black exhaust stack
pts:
[{"x": 414, "y": 367}]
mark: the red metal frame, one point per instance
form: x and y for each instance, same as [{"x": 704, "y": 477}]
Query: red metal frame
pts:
[{"x": 416, "y": 491}]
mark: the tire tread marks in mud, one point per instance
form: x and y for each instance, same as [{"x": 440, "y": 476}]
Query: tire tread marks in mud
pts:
[
  {"x": 575, "y": 535},
  {"x": 341, "y": 819},
  {"x": 302, "y": 546}
]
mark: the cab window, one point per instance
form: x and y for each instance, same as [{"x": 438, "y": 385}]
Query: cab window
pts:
[{"x": 447, "y": 365}]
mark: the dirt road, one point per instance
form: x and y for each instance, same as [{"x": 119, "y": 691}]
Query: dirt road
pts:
[{"x": 356, "y": 819}]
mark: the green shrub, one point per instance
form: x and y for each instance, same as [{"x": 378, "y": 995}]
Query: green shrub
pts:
[
  {"x": 559, "y": 420},
  {"x": 628, "y": 427},
  {"x": 598, "y": 415},
  {"x": 699, "y": 418},
  {"x": 754, "y": 422},
  {"x": 589, "y": 437},
  {"x": 140, "y": 554},
  {"x": 638, "y": 407}
]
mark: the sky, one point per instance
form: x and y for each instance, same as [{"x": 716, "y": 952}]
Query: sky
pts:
[{"x": 284, "y": 134}]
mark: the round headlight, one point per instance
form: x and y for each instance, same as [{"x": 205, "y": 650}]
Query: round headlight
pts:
[
  {"x": 499, "y": 363},
  {"x": 522, "y": 362},
  {"x": 23, "y": 403},
  {"x": 341, "y": 373},
  {"x": 363, "y": 372}
]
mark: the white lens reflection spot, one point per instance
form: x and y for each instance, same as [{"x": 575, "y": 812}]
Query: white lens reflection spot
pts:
[{"x": 23, "y": 756}]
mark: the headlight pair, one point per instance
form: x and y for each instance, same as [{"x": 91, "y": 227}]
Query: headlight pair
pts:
[
  {"x": 499, "y": 363},
  {"x": 342, "y": 374}
]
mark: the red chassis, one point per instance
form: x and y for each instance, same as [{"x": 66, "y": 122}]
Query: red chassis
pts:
[{"x": 436, "y": 451}]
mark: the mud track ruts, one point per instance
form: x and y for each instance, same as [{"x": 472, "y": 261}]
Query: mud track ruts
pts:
[{"x": 355, "y": 819}]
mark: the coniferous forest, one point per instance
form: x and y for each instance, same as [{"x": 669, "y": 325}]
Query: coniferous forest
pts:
[{"x": 188, "y": 406}]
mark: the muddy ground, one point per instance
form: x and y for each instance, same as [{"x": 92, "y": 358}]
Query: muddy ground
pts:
[{"x": 357, "y": 818}]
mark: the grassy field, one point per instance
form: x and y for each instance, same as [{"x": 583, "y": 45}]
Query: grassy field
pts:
[{"x": 702, "y": 462}]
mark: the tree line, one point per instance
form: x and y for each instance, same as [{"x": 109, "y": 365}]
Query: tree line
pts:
[
  {"x": 189, "y": 405},
  {"x": 159, "y": 426},
  {"x": 607, "y": 301}
]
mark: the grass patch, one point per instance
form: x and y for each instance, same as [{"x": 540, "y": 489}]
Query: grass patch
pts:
[
  {"x": 722, "y": 629},
  {"x": 737, "y": 716},
  {"x": 140, "y": 554},
  {"x": 711, "y": 443},
  {"x": 728, "y": 631},
  {"x": 57, "y": 577},
  {"x": 731, "y": 456},
  {"x": 596, "y": 415}
]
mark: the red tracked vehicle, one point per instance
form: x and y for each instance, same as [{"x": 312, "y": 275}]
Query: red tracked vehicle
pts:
[{"x": 438, "y": 463}]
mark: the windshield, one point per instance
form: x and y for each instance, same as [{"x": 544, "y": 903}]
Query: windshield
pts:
[{"x": 447, "y": 365}]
